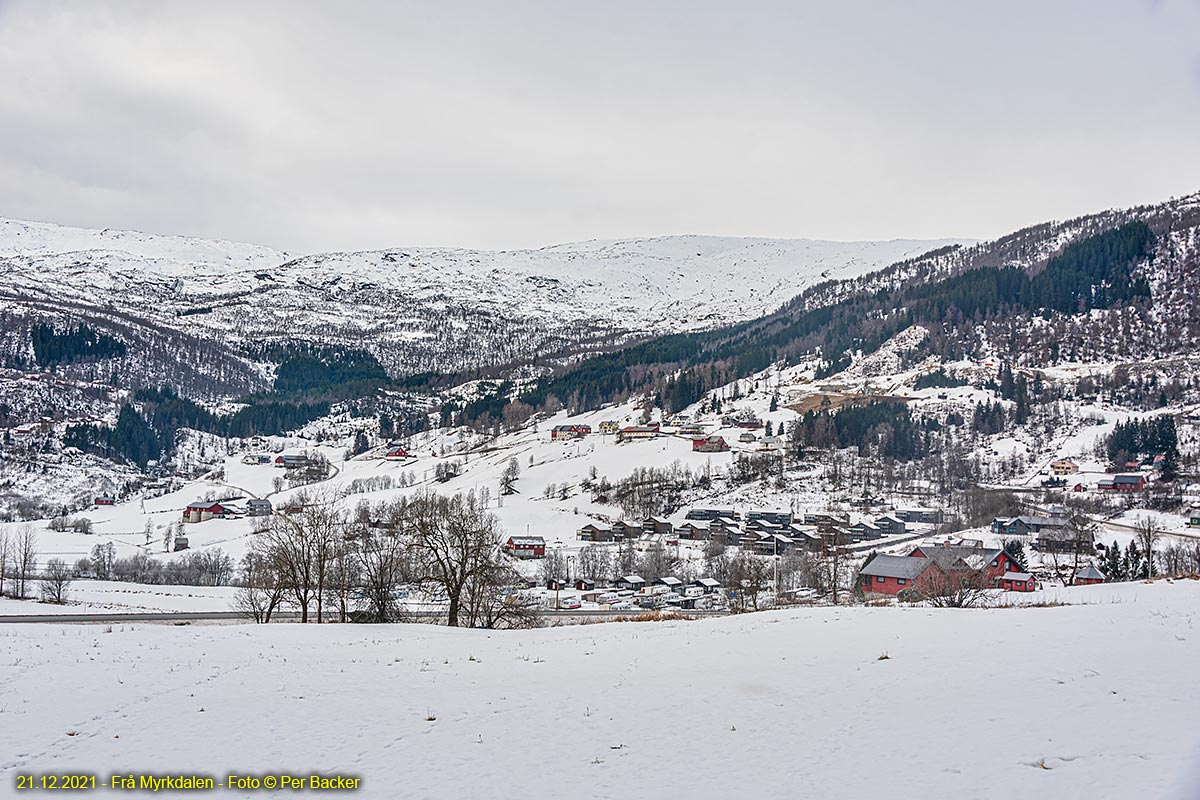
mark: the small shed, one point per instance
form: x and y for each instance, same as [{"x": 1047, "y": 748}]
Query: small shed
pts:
[
  {"x": 1017, "y": 582},
  {"x": 1089, "y": 575}
]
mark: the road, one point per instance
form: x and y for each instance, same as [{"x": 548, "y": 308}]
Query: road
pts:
[{"x": 234, "y": 616}]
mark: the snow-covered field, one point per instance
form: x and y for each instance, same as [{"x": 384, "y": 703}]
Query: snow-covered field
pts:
[
  {"x": 90, "y": 597},
  {"x": 1096, "y": 700}
]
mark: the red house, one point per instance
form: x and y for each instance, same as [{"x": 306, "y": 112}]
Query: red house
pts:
[
  {"x": 1122, "y": 483},
  {"x": 1089, "y": 575},
  {"x": 525, "y": 547},
  {"x": 105, "y": 500},
  {"x": 989, "y": 564},
  {"x": 891, "y": 575},
  {"x": 561, "y": 432},
  {"x": 1017, "y": 582},
  {"x": 396, "y": 454},
  {"x": 710, "y": 444}
]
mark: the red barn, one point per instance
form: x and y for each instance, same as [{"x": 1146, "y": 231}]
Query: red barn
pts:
[
  {"x": 1017, "y": 582},
  {"x": 396, "y": 454},
  {"x": 105, "y": 500},
  {"x": 204, "y": 510}
]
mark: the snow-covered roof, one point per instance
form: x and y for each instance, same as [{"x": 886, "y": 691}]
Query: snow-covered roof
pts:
[
  {"x": 1090, "y": 573},
  {"x": 1016, "y": 576}
]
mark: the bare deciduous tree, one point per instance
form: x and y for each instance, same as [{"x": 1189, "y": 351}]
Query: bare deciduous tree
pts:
[
  {"x": 56, "y": 581},
  {"x": 24, "y": 559},
  {"x": 262, "y": 589},
  {"x": 454, "y": 540},
  {"x": 1147, "y": 537}
]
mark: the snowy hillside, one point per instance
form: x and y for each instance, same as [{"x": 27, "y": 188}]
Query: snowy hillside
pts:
[
  {"x": 911, "y": 703},
  {"x": 421, "y": 309}
]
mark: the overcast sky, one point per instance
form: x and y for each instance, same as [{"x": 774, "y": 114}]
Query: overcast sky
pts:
[{"x": 309, "y": 126}]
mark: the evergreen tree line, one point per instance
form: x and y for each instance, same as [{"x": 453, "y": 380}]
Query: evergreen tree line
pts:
[
  {"x": 888, "y": 430},
  {"x": 80, "y": 343},
  {"x": 1137, "y": 439},
  {"x": 131, "y": 439}
]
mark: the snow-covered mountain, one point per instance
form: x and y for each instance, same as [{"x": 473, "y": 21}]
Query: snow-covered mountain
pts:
[{"x": 423, "y": 309}]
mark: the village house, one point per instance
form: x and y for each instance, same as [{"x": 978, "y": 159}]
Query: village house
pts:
[
  {"x": 709, "y": 513},
  {"x": 564, "y": 432},
  {"x": 770, "y": 444},
  {"x": 1194, "y": 517},
  {"x": 986, "y": 565},
  {"x": 747, "y": 438},
  {"x": 671, "y": 583},
  {"x": 396, "y": 453},
  {"x": 557, "y": 584},
  {"x": 1122, "y": 483},
  {"x": 773, "y": 544},
  {"x": 291, "y": 461},
  {"x": 805, "y": 537},
  {"x": 706, "y": 585},
  {"x": 625, "y": 530},
  {"x": 710, "y": 444},
  {"x": 890, "y": 525},
  {"x": 1017, "y": 582},
  {"x": 658, "y": 526},
  {"x": 631, "y": 582},
  {"x": 204, "y": 510},
  {"x": 637, "y": 432},
  {"x": 693, "y": 531},
  {"x": 887, "y": 576},
  {"x": 763, "y": 525},
  {"x": 609, "y": 426},
  {"x": 595, "y": 533},
  {"x": 1028, "y": 525},
  {"x": 1068, "y": 539},
  {"x": 585, "y": 584},
  {"x": 922, "y": 516},
  {"x": 1089, "y": 575},
  {"x": 258, "y": 507},
  {"x": 778, "y": 517},
  {"x": 866, "y": 530},
  {"x": 525, "y": 547},
  {"x": 105, "y": 500},
  {"x": 1064, "y": 466}
]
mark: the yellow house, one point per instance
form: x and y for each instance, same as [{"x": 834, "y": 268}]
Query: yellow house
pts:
[{"x": 1064, "y": 466}]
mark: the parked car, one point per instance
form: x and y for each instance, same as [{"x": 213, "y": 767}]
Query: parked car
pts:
[{"x": 621, "y": 606}]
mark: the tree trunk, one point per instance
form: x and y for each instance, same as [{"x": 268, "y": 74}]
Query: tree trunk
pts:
[{"x": 452, "y": 614}]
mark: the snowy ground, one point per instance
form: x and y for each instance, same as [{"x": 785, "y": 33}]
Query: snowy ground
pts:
[
  {"x": 1095, "y": 700},
  {"x": 89, "y": 597}
]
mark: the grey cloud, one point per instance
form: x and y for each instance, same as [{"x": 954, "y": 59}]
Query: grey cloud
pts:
[{"x": 308, "y": 126}]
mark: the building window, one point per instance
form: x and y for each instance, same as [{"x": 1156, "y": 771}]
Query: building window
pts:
[
  {"x": 901, "y": 581},
  {"x": 996, "y": 563},
  {"x": 880, "y": 579}
]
